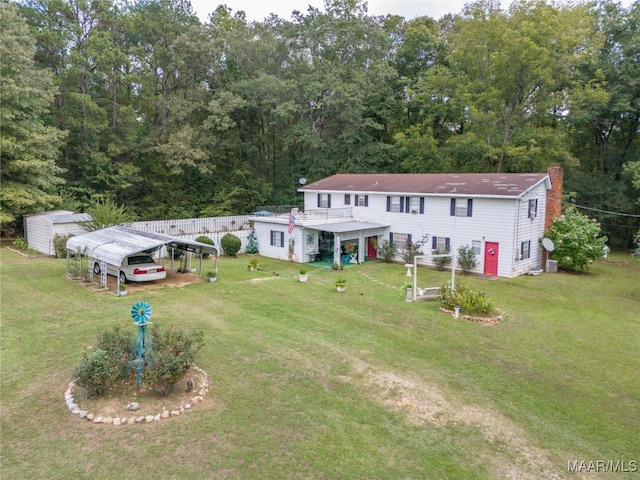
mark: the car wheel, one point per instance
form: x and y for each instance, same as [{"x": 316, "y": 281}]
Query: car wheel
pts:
[
  {"x": 96, "y": 268},
  {"x": 123, "y": 278}
]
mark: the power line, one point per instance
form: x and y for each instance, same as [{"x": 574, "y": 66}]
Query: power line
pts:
[{"x": 603, "y": 211}]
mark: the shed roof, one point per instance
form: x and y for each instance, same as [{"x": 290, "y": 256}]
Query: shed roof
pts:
[
  {"x": 449, "y": 184},
  {"x": 112, "y": 244},
  {"x": 62, "y": 216}
]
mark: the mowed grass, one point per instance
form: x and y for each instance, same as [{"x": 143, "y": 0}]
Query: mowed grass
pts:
[{"x": 308, "y": 383}]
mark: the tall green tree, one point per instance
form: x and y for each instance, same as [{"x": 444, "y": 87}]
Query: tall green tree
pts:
[
  {"x": 513, "y": 70},
  {"x": 28, "y": 146},
  {"x": 604, "y": 124}
]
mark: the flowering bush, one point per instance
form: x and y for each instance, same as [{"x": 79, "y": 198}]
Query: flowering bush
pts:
[
  {"x": 469, "y": 300},
  {"x": 578, "y": 241}
]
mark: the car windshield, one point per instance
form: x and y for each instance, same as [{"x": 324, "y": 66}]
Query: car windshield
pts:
[{"x": 138, "y": 259}]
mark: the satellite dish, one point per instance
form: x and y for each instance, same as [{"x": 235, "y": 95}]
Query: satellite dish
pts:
[
  {"x": 548, "y": 245},
  {"x": 302, "y": 181}
]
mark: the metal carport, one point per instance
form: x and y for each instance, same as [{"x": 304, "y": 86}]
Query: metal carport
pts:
[{"x": 111, "y": 245}]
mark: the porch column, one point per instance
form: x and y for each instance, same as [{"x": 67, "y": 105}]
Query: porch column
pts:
[{"x": 336, "y": 249}]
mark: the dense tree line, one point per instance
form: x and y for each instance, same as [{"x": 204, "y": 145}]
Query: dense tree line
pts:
[{"x": 142, "y": 103}]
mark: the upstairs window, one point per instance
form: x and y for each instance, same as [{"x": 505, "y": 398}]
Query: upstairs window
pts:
[
  {"x": 324, "y": 200},
  {"x": 395, "y": 204},
  {"x": 461, "y": 207},
  {"x": 533, "y": 208},
  {"x": 405, "y": 204},
  {"x": 362, "y": 200}
]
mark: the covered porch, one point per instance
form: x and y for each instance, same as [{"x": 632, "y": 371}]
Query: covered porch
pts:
[{"x": 345, "y": 243}]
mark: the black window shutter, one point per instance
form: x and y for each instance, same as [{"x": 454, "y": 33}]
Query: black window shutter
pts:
[
  {"x": 469, "y": 207},
  {"x": 347, "y": 199},
  {"x": 281, "y": 239},
  {"x": 447, "y": 244},
  {"x": 366, "y": 200},
  {"x": 329, "y": 201},
  {"x": 453, "y": 207},
  {"x": 388, "y": 203},
  {"x": 407, "y": 204},
  {"x": 401, "y": 204},
  {"x": 421, "y": 204},
  {"x": 319, "y": 200},
  {"x": 434, "y": 243},
  {"x": 355, "y": 202},
  {"x": 409, "y": 238}
]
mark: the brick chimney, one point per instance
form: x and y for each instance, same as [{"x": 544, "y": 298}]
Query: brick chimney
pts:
[{"x": 554, "y": 196}]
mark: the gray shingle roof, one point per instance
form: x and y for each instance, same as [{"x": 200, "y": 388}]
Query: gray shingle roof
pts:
[{"x": 449, "y": 184}]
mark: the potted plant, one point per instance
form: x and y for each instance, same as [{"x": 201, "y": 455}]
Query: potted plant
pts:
[
  {"x": 407, "y": 290},
  {"x": 211, "y": 275},
  {"x": 341, "y": 284},
  {"x": 303, "y": 275},
  {"x": 253, "y": 264}
]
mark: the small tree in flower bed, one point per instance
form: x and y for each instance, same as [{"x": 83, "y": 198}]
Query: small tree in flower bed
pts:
[
  {"x": 470, "y": 301},
  {"x": 173, "y": 352},
  {"x": 105, "y": 366},
  {"x": 105, "y": 363},
  {"x": 578, "y": 241}
]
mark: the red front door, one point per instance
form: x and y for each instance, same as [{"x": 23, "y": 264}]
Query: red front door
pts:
[
  {"x": 371, "y": 247},
  {"x": 491, "y": 258}
]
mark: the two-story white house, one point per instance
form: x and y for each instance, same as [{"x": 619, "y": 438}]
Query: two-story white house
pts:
[{"x": 346, "y": 217}]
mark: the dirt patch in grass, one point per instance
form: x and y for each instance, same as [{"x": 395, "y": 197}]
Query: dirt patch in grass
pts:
[{"x": 424, "y": 403}]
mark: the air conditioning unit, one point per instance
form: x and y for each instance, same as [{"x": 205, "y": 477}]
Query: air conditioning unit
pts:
[{"x": 414, "y": 210}]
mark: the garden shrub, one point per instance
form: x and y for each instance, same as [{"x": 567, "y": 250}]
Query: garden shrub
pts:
[
  {"x": 101, "y": 366},
  {"x": 466, "y": 259},
  {"x": 108, "y": 361},
  {"x": 175, "y": 253},
  {"x": 60, "y": 244},
  {"x": 469, "y": 300},
  {"x": 207, "y": 240},
  {"x": 578, "y": 241},
  {"x": 410, "y": 251},
  {"x": 441, "y": 262},
  {"x": 173, "y": 352},
  {"x": 387, "y": 251},
  {"x": 230, "y": 244}
]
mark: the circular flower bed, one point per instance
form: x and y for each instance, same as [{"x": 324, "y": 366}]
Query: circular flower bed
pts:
[{"x": 129, "y": 412}]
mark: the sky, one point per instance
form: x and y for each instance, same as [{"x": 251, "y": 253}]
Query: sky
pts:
[{"x": 258, "y": 10}]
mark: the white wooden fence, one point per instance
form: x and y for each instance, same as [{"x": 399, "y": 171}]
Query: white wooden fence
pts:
[{"x": 192, "y": 228}]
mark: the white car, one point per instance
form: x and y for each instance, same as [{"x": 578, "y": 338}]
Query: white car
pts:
[{"x": 135, "y": 268}]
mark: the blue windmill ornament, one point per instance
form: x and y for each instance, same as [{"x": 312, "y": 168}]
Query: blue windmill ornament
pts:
[{"x": 142, "y": 350}]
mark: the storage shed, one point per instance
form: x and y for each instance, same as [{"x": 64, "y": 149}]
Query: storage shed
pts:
[{"x": 41, "y": 228}]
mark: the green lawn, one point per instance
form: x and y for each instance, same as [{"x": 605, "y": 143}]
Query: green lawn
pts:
[{"x": 308, "y": 383}]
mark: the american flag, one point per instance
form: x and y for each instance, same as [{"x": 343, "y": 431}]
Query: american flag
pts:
[{"x": 292, "y": 222}]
